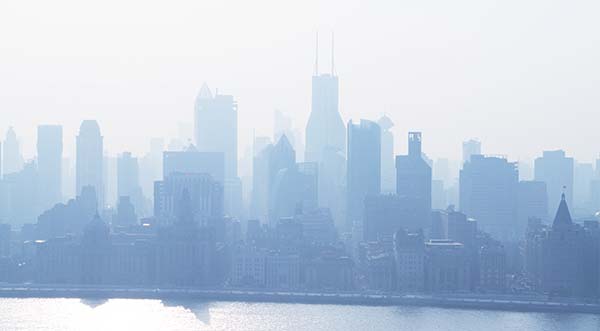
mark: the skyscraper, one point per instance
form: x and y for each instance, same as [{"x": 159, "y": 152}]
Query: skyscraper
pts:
[
  {"x": 89, "y": 171},
  {"x": 388, "y": 173},
  {"x": 49, "y": 154},
  {"x": 488, "y": 193},
  {"x": 325, "y": 127},
  {"x": 364, "y": 169},
  {"x": 216, "y": 125},
  {"x": 128, "y": 182},
  {"x": 413, "y": 178},
  {"x": 471, "y": 147},
  {"x": 12, "y": 160},
  {"x": 556, "y": 170}
]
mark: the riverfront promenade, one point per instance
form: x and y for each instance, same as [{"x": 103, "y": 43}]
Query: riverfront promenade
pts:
[{"x": 466, "y": 301}]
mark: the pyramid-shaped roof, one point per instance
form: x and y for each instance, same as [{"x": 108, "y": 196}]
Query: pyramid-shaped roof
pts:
[{"x": 563, "y": 216}]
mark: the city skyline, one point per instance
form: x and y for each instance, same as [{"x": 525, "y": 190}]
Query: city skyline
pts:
[{"x": 435, "y": 66}]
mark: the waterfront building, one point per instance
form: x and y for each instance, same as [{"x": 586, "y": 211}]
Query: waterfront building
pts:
[
  {"x": 409, "y": 254},
  {"x": 447, "y": 267}
]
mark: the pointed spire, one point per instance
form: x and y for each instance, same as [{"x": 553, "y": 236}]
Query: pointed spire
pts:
[
  {"x": 563, "y": 216},
  {"x": 332, "y": 54},
  {"x": 317, "y": 54}
]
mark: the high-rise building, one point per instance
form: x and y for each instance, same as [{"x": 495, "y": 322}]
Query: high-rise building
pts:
[
  {"x": 413, "y": 179},
  {"x": 128, "y": 182},
  {"x": 583, "y": 174},
  {"x": 488, "y": 193},
  {"x": 471, "y": 147},
  {"x": 532, "y": 202},
  {"x": 325, "y": 127},
  {"x": 216, "y": 127},
  {"x": 12, "y": 160},
  {"x": 49, "y": 155},
  {"x": 388, "y": 171},
  {"x": 556, "y": 170},
  {"x": 364, "y": 170},
  {"x": 90, "y": 160}
]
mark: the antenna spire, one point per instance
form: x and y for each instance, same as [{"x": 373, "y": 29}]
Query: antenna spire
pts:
[
  {"x": 332, "y": 54},
  {"x": 317, "y": 54}
]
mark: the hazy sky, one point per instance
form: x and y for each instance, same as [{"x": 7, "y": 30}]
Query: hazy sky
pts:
[{"x": 522, "y": 76}]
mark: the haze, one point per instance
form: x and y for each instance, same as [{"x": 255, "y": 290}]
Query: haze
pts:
[{"x": 520, "y": 76}]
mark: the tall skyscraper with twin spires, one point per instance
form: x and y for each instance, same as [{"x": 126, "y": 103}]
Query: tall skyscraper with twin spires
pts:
[{"x": 325, "y": 128}]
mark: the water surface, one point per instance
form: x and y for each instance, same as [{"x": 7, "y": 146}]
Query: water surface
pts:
[{"x": 134, "y": 314}]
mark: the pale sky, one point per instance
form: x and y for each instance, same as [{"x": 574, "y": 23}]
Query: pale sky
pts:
[{"x": 522, "y": 76}]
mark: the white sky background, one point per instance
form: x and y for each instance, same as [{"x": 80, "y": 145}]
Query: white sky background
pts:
[{"x": 522, "y": 76}]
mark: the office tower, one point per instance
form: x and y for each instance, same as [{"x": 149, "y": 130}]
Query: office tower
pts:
[
  {"x": 216, "y": 126},
  {"x": 556, "y": 170},
  {"x": 532, "y": 202},
  {"x": 11, "y": 158},
  {"x": 49, "y": 157},
  {"x": 194, "y": 162},
  {"x": 128, "y": 182},
  {"x": 488, "y": 193},
  {"x": 471, "y": 147},
  {"x": 438, "y": 194},
  {"x": 388, "y": 171},
  {"x": 110, "y": 175},
  {"x": 151, "y": 166},
  {"x": 204, "y": 193},
  {"x": 127, "y": 175},
  {"x": 90, "y": 160},
  {"x": 325, "y": 127},
  {"x": 259, "y": 204},
  {"x": 441, "y": 170},
  {"x": 583, "y": 174},
  {"x": 413, "y": 179},
  {"x": 364, "y": 170},
  {"x": 281, "y": 161}
]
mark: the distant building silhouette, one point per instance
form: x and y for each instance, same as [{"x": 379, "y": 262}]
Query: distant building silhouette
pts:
[
  {"x": 128, "y": 182},
  {"x": 12, "y": 160},
  {"x": 325, "y": 127},
  {"x": 90, "y": 160},
  {"x": 364, "y": 170},
  {"x": 216, "y": 127},
  {"x": 488, "y": 193},
  {"x": 388, "y": 169},
  {"x": 556, "y": 170},
  {"x": 413, "y": 179},
  {"x": 49, "y": 156},
  {"x": 469, "y": 148},
  {"x": 532, "y": 202}
]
